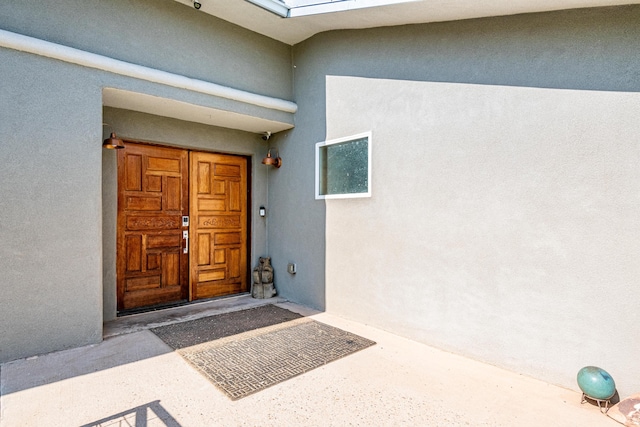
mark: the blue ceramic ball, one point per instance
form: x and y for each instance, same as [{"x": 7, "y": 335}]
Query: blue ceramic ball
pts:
[{"x": 596, "y": 383}]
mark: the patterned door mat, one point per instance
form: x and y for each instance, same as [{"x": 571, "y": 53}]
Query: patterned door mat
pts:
[{"x": 246, "y": 363}]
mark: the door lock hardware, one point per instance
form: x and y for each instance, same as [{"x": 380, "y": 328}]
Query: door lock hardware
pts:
[{"x": 185, "y": 237}]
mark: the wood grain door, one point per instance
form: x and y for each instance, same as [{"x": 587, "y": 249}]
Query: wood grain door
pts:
[
  {"x": 153, "y": 195},
  {"x": 218, "y": 225}
]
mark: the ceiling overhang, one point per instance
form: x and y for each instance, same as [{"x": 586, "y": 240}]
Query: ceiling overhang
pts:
[
  {"x": 127, "y": 100},
  {"x": 306, "y": 18}
]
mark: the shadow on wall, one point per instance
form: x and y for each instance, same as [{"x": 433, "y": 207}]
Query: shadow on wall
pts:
[
  {"x": 582, "y": 49},
  {"x": 588, "y": 49}
]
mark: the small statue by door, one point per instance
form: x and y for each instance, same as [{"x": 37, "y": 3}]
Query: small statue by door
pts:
[{"x": 263, "y": 280}]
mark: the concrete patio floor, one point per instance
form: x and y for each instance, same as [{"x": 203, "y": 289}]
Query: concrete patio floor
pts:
[{"x": 134, "y": 379}]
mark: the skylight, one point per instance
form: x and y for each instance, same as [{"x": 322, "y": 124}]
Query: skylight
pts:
[
  {"x": 293, "y": 8},
  {"x": 300, "y": 3}
]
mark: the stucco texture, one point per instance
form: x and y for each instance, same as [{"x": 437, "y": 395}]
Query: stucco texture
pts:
[
  {"x": 56, "y": 292},
  {"x": 50, "y": 257},
  {"x": 160, "y": 34},
  {"x": 503, "y": 223}
]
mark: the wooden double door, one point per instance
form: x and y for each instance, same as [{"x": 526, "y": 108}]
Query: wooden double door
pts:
[{"x": 182, "y": 225}]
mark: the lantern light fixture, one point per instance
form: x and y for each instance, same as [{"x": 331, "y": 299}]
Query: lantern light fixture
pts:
[
  {"x": 272, "y": 161},
  {"x": 113, "y": 142}
]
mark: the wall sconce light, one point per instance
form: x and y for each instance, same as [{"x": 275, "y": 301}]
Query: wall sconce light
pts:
[
  {"x": 262, "y": 211},
  {"x": 272, "y": 161},
  {"x": 113, "y": 142}
]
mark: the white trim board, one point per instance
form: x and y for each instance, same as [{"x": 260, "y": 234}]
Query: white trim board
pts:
[{"x": 76, "y": 56}]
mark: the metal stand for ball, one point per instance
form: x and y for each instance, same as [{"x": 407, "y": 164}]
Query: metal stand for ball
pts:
[{"x": 600, "y": 401}]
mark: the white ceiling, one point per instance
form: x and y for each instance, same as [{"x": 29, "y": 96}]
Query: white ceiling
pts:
[{"x": 351, "y": 14}]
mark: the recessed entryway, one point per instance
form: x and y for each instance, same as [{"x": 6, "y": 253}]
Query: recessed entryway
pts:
[{"x": 182, "y": 227}]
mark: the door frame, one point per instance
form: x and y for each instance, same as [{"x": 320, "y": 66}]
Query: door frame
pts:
[{"x": 248, "y": 158}]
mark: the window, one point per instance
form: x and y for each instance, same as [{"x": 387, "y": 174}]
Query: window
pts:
[{"x": 343, "y": 167}]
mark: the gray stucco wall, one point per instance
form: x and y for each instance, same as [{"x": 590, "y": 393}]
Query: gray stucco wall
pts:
[
  {"x": 51, "y": 115},
  {"x": 51, "y": 193},
  {"x": 51, "y": 254},
  {"x": 523, "y": 256},
  {"x": 160, "y": 34}
]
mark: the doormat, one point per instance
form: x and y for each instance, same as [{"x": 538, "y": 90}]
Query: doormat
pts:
[
  {"x": 194, "y": 332},
  {"x": 244, "y": 364}
]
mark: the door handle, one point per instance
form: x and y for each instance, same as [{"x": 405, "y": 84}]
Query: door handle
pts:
[{"x": 185, "y": 237}]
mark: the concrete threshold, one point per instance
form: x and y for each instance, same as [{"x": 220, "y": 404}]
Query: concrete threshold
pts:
[{"x": 168, "y": 316}]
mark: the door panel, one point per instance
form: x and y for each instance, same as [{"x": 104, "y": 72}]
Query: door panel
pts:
[
  {"x": 153, "y": 194},
  {"x": 218, "y": 225}
]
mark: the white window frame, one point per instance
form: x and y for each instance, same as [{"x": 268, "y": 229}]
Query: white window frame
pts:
[{"x": 319, "y": 145}]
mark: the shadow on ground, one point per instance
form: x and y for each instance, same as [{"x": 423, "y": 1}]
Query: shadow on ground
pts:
[
  {"x": 130, "y": 348},
  {"x": 140, "y": 416},
  {"x": 50, "y": 368}
]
